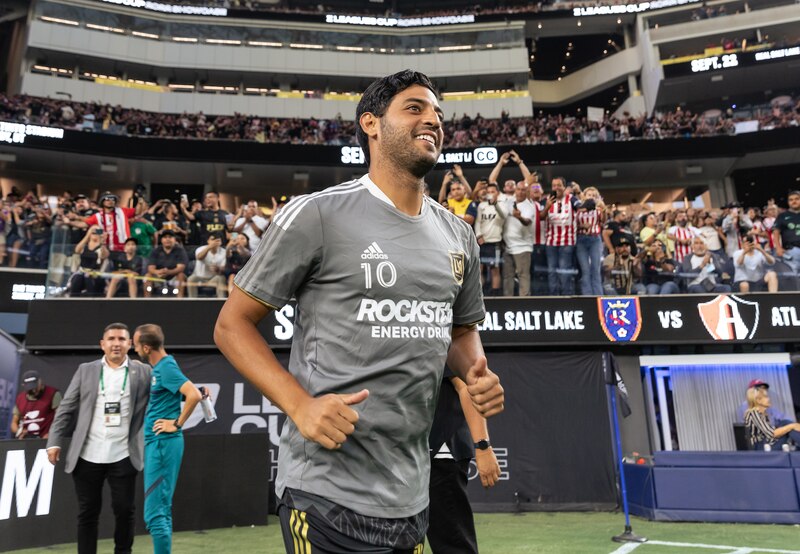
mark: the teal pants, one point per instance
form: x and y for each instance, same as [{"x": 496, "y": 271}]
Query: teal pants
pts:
[{"x": 162, "y": 463}]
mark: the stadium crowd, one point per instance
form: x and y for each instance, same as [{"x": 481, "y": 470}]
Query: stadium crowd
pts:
[
  {"x": 535, "y": 239},
  {"x": 465, "y": 131}
]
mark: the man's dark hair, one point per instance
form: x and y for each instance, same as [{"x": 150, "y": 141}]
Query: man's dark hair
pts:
[
  {"x": 151, "y": 335},
  {"x": 112, "y": 326},
  {"x": 379, "y": 94},
  {"x": 493, "y": 185},
  {"x": 133, "y": 241}
]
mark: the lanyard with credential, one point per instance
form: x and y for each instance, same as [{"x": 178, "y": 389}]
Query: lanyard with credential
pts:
[{"x": 103, "y": 385}]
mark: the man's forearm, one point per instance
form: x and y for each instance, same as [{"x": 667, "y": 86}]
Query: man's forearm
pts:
[
  {"x": 241, "y": 343},
  {"x": 478, "y": 429},
  {"x": 465, "y": 350}
]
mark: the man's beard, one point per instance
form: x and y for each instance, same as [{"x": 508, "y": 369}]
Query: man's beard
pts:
[
  {"x": 682, "y": 223},
  {"x": 402, "y": 151}
]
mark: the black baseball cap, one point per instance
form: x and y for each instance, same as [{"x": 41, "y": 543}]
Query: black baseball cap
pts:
[
  {"x": 30, "y": 380},
  {"x": 168, "y": 233}
]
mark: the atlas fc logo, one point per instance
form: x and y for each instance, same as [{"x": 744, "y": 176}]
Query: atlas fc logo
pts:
[{"x": 729, "y": 317}]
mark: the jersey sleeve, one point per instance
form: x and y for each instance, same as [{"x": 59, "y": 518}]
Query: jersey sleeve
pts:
[
  {"x": 468, "y": 307},
  {"x": 92, "y": 220},
  {"x": 289, "y": 254},
  {"x": 129, "y": 212},
  {"x": 172, "y": 378}
]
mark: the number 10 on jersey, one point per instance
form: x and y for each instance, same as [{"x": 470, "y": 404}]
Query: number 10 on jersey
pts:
[{"x": 385, "y": 273}]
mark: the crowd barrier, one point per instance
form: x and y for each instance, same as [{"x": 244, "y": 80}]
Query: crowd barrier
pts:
[{"x": 740, "y": 487}]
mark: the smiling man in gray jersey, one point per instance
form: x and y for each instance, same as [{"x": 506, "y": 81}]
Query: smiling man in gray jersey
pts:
[{"x": 381, "y": 307}]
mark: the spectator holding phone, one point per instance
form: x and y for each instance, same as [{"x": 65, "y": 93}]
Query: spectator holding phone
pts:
[
  {"x": 751, "y": 263},
  {"x": 250, "y": 222},
  {"x": 93, "y": 253},
  {"x": 237, "y": 252},
  {"x": 209, "y": 269}
]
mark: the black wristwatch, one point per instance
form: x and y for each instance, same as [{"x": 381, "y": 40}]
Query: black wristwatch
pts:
[
  {"x": 178, "y": 427},
  {"x": 483, "y": 444}
]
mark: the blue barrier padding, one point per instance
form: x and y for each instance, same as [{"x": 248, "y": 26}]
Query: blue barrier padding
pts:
[
  {"x": 641, "y": 490},
  {"x": 721, "y": 488},
  {"x": 724, "y": 459},
  {"x": 719, "y": 516}
]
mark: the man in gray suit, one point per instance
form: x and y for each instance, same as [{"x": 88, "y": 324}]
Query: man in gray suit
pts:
[{"x": 103, "y": 412}]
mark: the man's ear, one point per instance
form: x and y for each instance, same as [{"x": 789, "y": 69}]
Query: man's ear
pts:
[{"x": 369, "y": 124}]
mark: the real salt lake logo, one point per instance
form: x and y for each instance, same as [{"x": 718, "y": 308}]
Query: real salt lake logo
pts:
[
  {"x": 374, "y": 252},
  {"x": 620, "y": 318},
  {"x": 728, "y": 317}
]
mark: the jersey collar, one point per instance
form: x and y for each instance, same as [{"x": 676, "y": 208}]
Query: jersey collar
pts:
[{"x": 375, "y": 191}]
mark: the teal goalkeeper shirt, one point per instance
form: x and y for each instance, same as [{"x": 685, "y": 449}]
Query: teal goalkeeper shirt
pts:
[{"x": 165, "y": 397}]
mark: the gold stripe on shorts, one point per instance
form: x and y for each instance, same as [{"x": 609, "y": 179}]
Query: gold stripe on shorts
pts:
[{"x": 299, "y": 527}]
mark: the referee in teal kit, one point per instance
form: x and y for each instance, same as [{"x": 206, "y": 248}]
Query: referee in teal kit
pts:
[{"x": 163, "y": 439}]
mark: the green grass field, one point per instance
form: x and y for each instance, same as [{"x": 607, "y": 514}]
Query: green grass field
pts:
[{"x": 546, "y": 533}]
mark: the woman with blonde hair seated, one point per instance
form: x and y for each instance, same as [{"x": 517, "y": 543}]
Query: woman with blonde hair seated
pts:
[{"x": 760, "y": 430}]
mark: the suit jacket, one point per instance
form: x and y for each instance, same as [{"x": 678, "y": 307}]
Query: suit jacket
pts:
[{"x": 74, "y": 414}]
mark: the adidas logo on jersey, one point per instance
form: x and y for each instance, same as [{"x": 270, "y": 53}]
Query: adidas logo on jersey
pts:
[{"x": 374, "y": 252}]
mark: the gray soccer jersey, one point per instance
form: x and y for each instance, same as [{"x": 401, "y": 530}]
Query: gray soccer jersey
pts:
[{"x": 377, "y": 294}]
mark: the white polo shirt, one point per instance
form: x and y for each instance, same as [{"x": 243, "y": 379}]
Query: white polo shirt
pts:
[{"x": 106, "y": 445}]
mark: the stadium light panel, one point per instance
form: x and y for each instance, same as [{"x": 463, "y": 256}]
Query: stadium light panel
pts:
[
  {"x": 350, "y": 48},
  {"x": 264, "y": 43},
  {"x": 305, "y": 46},
  {"x": 223, "y": 41},
  {"x": 145, "y": 35},
  {"x": 59, "y": 20},
  {"x": 184, "y": 39},
  {"x": 104, "y": 28},
  {"x": 454, "y": 48}
]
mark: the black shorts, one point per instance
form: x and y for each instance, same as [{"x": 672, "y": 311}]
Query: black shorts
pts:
[
  {"x": 305, "y": 533},
  {"x": 491, "y": 254}
]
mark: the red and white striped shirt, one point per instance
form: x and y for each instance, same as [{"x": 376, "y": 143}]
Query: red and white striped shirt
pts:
[
  {"x": 115, "y": 224},
  {"x": 589, "y": 223},
  {"x": 681, "y": 234},
  {"x": 539, "y": 224},
  {"x": 562, "y": 222}
]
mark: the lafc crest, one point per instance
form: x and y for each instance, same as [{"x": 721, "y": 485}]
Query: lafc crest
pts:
[{"x": 457, "y": 262}]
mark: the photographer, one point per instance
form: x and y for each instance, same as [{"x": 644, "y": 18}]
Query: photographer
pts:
[
  {"x": 93, "y": 253},
  {"x": 750, "y": 263}
]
